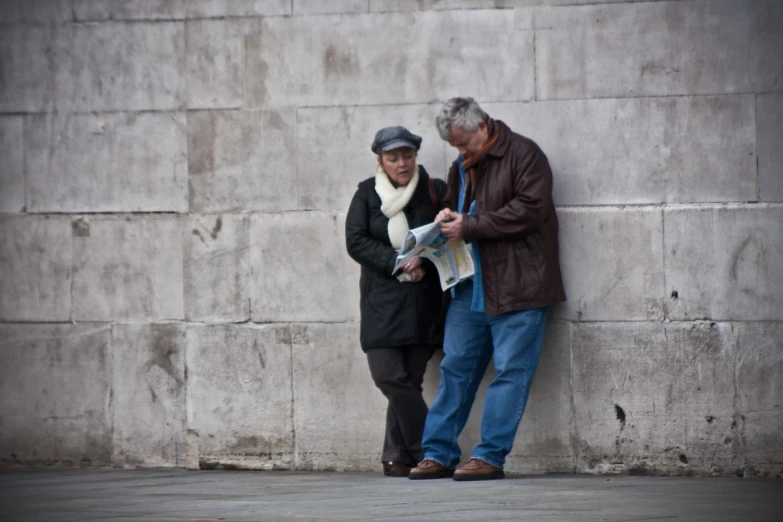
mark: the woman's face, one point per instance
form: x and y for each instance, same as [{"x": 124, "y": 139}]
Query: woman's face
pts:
[{"x": 399, "y": 164}]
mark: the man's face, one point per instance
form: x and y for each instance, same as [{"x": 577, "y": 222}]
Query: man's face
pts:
[{"x": 466, "y": 142}]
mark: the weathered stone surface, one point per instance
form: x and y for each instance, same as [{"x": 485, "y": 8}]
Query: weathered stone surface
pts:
[
  {"x": 55, "y": 394},
  {"x": 26, "y": 84},
  {"x": 106, "y": 162},
  {"x": 612, "y": 263},
  {"x": 46, "y": 11},
  {"x": 623, "y": 151},
  {"x": 724, "y": 262},
  {"x": 239, "y": 395},
  {"x": 217, "y": 268},
  {"x": 177, "y": 9},
  {"x": 35, "y": 268},
  {"x": 120, "y": 67},
  {"x": 36, "y": 11},
  {"x": 288, "y": 253},
  {"x": 760, "y": 396},
  {"x": 340, "y": 62},
  {"x": 12, "y": 168},
  {"x": 339, "y": 414},
  {"x": 769, "y": 137},
  {"x": 215, "y": 64},
  {"x": 127, "y": 268},
  {"x": 10, "y": 12},
  {"x": 242, "y": 160},
  {"x": 654, "y": 398},
  {"x": 334, "y": 149},
  {"x": 660, "y": 48},
  {"x": 543, "y": 442},
  {"x": 332, "y": 6},
  {"x": 148, "y": 362},
  {"x": 422, "y": 5}
]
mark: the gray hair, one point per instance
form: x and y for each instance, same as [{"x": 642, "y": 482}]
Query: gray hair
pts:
[{"x": 465, "y": 113}]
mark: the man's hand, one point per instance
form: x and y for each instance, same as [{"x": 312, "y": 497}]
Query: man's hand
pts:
[
  {"x": 452, "y": 230},
  {"x": 443, "y": 214},
  {"x": 412, "y": 265}
]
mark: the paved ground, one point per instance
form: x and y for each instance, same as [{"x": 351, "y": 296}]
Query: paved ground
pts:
[{"x": 127, "y": 495}]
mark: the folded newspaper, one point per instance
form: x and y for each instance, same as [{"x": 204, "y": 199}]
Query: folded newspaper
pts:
[{"x": 453, "y": 259}]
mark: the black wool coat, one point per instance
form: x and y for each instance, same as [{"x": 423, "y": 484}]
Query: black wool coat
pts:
[{"x": 393, "y": 314}]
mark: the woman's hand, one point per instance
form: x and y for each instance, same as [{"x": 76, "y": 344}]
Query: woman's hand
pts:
[
  {"x": 411, "y": 265},
  {"x": 417, "y": 274}
]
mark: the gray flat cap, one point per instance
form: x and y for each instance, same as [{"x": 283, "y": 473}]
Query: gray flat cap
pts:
[{"x": 390, "y": 138}]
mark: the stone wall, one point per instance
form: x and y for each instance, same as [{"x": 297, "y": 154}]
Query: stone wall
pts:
[{"x": 174, "y": 287}]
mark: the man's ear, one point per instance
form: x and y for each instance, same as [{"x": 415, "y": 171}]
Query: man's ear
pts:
[{"x": 483, "y": 127}]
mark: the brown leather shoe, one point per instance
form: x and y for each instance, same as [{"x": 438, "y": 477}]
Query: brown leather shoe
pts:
[
  {"x": 429, "y": 469},
  {"x": 395, "y": 469},
  {"x": 476, "y": 469}
]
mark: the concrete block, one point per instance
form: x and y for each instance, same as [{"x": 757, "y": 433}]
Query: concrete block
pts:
[
  {"x": 760, "y": 396},
  {"x": 242, "y": 160},
  {"x": 334, "y": 149},
  {"x": 99, "y": 10},
  {"x": 127, "y": 268},
  {"x": 330, "y": 6},
  {"x": 121, "y": 67},
  {"x": 300, "y": 271},
  {"x": 217, "y": 268},
  {"x": 239, "y": 398},
  {"x": 654, "y": 398},
  {"x": 339, "y": 62},
  {"x": 215, "y": 64},
  {"x": 624, "y": 151},
  {"x": 35, "y": 278},
  {"x": 12, "y": 169},
  {"x": 612, "y": 263},
  {"x": 660, "y": 49},
  {"x": 55, "y": 394},
  {"x": 769, "y": 137},
  {"x": 544, "y": 441},
  {"x": 339, "y": 414},
  {"x": 106, "y": 162},
  {"x": 422, "y": 5},
  {"x": 26, "y": 82},
  {"x": 148, "y": 368},
  {"x": 724, "y": 262}
]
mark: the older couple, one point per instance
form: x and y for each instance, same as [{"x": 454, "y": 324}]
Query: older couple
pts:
[{"x": 499, "y": 199}]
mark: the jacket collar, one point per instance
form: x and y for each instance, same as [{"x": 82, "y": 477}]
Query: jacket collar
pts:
[{"x": 499, "y": 148}]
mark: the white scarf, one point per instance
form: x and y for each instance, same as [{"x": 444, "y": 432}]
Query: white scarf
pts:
[{"x": 393, "y": 200}]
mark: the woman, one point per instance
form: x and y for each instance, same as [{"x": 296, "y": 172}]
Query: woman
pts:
[{"x": 400, "y": 312}]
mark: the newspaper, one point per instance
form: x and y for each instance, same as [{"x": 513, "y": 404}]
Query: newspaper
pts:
[{"x": 453, "y": 259}]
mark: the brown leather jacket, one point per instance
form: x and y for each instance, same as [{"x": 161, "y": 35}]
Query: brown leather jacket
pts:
[{"x": 515, "y": 225}]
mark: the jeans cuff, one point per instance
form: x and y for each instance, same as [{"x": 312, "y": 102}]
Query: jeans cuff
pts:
[
  {"x": 442, "y": 463},
  {"x": 490, "y": 462}
]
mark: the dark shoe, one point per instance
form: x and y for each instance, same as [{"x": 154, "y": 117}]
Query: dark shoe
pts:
[
  {"x": 429, "y": 469},
  {"x": 395, "y": 469},
  {"x": 476, "y": 469}
]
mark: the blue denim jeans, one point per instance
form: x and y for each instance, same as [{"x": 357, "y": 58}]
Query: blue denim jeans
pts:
[{"x": 468, "y": 346}]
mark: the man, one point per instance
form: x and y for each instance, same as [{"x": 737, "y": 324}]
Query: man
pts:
[{"x": 500, "y": 199}]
